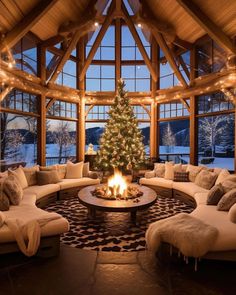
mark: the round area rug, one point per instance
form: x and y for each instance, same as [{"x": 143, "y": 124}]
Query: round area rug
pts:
[{"x": 112, "y": 231}]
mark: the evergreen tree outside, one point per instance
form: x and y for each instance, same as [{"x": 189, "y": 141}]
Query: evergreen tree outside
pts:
[
  {"x": 121, "y": 144},
  {"x": 168, "y": 139}
]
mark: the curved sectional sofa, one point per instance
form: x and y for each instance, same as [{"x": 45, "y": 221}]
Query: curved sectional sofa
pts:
[
  {"x": 225, "y": 245},
  {"x": 34, "y": 198}
]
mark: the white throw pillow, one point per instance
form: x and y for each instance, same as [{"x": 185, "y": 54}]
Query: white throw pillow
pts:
[
  {"x": 232, "y": 214},
  {"x": 193, "y": 171},
  {"x": 169, "y": 170},
  {"x": 20, "y": 176},
  {"x": 30, "y": 174},
  {"x": 222, "y": 176},
  {"x": 74, "y": 171}
]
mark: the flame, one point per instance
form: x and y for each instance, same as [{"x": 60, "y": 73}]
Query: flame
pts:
[{"x": 118, "y": 183}]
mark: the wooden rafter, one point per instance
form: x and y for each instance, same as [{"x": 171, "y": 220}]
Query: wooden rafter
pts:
[
  {"x": 20, "y": 29},
  {"x": 98, "y": 40},
  {"x": 183, "y": 65},
  {"x": 169, "y": 56},
  {"x": 208, "y": 25},
  {"x": 5, "y": 92},
  {"x": 138, "y": 41},
  {"x": 52, "y": 65}
]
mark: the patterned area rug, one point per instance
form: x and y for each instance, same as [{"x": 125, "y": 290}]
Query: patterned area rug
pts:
[{"x": 112, "y": 231}]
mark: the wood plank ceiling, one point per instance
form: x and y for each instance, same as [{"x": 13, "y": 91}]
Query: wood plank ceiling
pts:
[{"x": 168, "y": 11}]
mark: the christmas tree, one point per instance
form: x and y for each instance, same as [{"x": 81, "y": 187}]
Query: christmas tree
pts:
[{"x": 121, "y": 144}]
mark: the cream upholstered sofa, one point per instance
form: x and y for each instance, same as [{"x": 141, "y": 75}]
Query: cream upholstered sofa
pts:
[
  {"x": 36, "y": 197},
  {"x": 193, "y": 194}
]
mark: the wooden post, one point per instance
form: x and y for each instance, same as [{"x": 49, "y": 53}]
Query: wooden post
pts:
[
  {"x": 193, "y": 124},
  {"x": 41, "y": 151},
  {"x": 81, "y": 105},
  {"x": 118, "y": 49},
  {"x": 153, "y": 125}
]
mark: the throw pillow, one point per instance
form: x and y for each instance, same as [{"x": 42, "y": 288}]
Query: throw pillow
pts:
[
  {"x": 3, "y": 174},
  {"x": 159, "y": 169},
  {"x": 229, "y": 183},
  {"x": 30, "y": 174},
  {"x": 47, "y": 177},
  {"x": 193, "y": 171},
  {"x": 149, "y": 174},
  {"x": 61, "y": 169},
  {"x": 181, "y": 176},
  {"x": 224, "y": 173},
  {"x": 86, "y": 169},
  {"x": 4, "y": 201},
  {"x": 13, "y": 189},
  {"x": 227, "y": 201},
  {"x": 74, "y": 171},
  {"x": 232, "y": 213},
  {"x": 169, "y": 170},
  {"x": 215, "y": 194},
  {"x": 205, "y": 179},
  {"x": 217, "y": 170},
  {"x": 48, "y": 168},
  {"x": 20, "y": 176}
]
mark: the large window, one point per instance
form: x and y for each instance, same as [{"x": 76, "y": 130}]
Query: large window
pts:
[
  {"x": 67, "y": 76},
  {"x": 19, "y": 128},
  {"x": 100, "y": 78},
  {"x": 61, "y": 133},
  {"x": 216, "y": 131},
  {"x": 173, "y": 109},
  {"x": 97, "y": 116}
]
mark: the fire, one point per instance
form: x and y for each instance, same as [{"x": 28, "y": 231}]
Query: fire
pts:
[{"x": 117, "y": 184}]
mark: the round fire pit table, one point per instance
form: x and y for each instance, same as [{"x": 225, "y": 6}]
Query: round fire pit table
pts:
[{"x": 94, "y": 203}]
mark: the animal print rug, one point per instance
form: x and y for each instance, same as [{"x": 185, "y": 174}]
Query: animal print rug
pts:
[{"x": 112, "y": 231}]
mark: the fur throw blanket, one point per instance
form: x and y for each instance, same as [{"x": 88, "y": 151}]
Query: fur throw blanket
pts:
[{"x": 190, "y": 235}]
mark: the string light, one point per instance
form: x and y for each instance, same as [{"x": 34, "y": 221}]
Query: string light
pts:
[
  {"x": 96, "y": 24},
  {"x": 139, "y": 25}
]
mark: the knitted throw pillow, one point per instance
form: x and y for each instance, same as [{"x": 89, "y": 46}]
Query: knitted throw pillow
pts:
[{"x": 181, "y": 176}]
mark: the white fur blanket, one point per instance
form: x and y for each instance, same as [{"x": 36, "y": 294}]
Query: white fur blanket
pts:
[
  {"x": 29, "y": 228},
  {"x": 190, "y": 235}
]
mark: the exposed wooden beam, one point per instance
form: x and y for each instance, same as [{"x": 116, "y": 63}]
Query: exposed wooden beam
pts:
[
  {"x": 138, "y": 41},
  {"x": 52, "y": 65},
  {"x": 20, "y": 29},
  {"x": 169, "y": 56},
  {"x": 207, "y": 84},
  {"x": 106, "y": 24},
  {"x": 208, "y": 25},
  {"x": 66, "y": 55},
  {"x": 183, "y": 65},
  {"x": 5, "y": 92}
]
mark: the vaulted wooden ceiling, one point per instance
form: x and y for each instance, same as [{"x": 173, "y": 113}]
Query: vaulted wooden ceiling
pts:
[{"x": 169, "y": 13}]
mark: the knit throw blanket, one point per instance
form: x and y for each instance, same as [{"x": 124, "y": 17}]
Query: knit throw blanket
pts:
[
  {"x": 28, "y": 233},
  {"x": 190, "y": 235}
]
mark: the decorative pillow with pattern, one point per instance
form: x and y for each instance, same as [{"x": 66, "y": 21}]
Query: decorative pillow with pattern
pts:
[
  {"x": 181, "y": 176},
  {"x": 227, "y": 201},
  {"x": 13, "y": 189},
  {"x": 205, "y": 179},
  {"x": 215, "y": 194},
  {"x": 159, "y": 169}
]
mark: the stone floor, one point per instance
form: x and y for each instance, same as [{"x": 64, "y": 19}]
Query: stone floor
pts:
[{"x": 81, "y": 272}]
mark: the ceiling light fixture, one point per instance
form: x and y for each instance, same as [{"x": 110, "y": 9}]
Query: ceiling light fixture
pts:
[
  {"x": 139, "y": 25},
  {"x": 96, "y": 24}
]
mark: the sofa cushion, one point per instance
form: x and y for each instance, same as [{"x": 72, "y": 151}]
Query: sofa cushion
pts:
[
  {"x": 157, "y": 181},
  {"x": 86, "y": 169},
  {"x": 159, "y": 169},
  {"x": 215, "y": 194},
  {"x": 193, "y": 171},
  {"x": 4, "y": 201},
  {"x": 205, "y": 179},
  {"x": 61, "y": 169},
  {"x": 47, "y": 177},
  {"x": 181, "y": 176},
  {"x": 70, "y": 183},
  {"x": 74, "y": 171},
  {"x": 30, "y": 174},
  {"x": 188, "y": 188},
  {"x": 13, "y": 189},
  {"x": 20, "y": 175},
  {"x": 232, "y": 214},
  {"x": 227, "y": 201},
  {"x": 29, "y": 199},
  {"x": 201, "y": 198},
  {"x": 224, "y": 173},
  {"x": 42, "y": 190},
  {"x": 226, "y": 240}
]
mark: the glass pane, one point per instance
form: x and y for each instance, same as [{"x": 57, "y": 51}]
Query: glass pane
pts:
[
  {"x": 93, "y": 85},
  {"x": 128, "y": 53},
  {"x": 108, "y": 71},
  {"x": 108, "y": 85}
]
